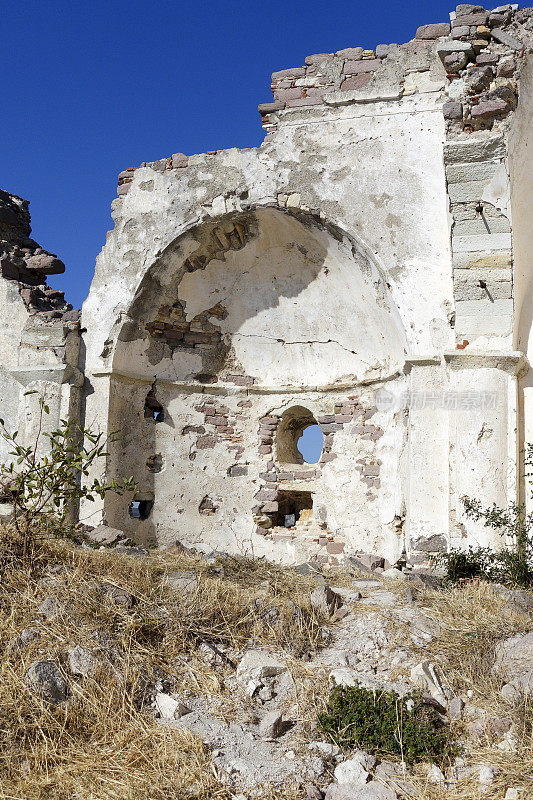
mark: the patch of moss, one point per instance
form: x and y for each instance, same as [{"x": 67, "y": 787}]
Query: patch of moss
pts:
[{"x": 383, "y": 723}]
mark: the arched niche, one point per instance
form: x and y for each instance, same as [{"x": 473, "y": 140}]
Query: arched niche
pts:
[
  {"x": 234, "y": 317},
  {"x": 269, "y": 297}
]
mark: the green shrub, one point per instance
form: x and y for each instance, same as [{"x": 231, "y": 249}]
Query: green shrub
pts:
[
  {"x": 42, "y": 490},
  {"x": 386, "y": 724},
  {"x": 504, "y": 566}
]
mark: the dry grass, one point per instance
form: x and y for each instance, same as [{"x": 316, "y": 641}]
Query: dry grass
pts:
[
  {"x": 105, "y": 744},
  {"x": 474, "y": 618}
]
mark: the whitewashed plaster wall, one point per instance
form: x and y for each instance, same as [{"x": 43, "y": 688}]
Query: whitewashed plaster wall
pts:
[
  {"x": 521, "y": 167},
  {"x": 351, "y": 261}
]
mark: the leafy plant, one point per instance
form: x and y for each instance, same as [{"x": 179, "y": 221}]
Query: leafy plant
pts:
[
  {"x": 384, "y": 723},
  {"x": 42, "y": 490},
  {"x": 514, "y": 563}
]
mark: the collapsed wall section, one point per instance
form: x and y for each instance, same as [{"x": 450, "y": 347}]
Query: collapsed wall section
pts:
[
  {"x": 403, "y": 148},
  {"x": 39, "y": 333}
]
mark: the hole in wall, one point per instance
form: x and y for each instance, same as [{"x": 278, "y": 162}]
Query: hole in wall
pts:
[
  {"x": 140, "y": 509},
  {"x": 207, "y": 506},
  {"x": 293, "y": 423},
  {"x": 310, "y": 444},
  {"x": 153, "y": 408},
  {"x": 154, "y": 463},
  {"x": 293, "y": 507}
]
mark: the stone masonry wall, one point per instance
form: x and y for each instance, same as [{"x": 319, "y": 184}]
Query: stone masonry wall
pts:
[
  {"x": 23, "y": 261},
  {"x": 384, "y": 168}
]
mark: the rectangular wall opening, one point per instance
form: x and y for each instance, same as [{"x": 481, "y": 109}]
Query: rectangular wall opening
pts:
[{"x": 293, "y": 507}]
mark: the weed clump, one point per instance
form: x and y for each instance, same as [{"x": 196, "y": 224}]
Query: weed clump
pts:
[
  {"x": 383, "y": 723},
  {"x": 504, "y": 566}
]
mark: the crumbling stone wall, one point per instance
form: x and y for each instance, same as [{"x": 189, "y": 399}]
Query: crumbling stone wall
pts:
[
  {"x": 39, "y": 331},
  {"x": 367, "y": 267},
  {"x": 387, "y": 168}
]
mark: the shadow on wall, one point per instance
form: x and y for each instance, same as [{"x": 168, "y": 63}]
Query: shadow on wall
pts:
[{"x": 264, "y": 297}]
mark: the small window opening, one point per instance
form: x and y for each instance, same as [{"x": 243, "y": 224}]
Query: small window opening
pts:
[
  {"x": 153, "y": 408},
  {"x": 140, "y": 509},
  {"x": 293, "y": 507},
  {"x": 294, "y": 423},
  {"x": 310, "y": 444}
]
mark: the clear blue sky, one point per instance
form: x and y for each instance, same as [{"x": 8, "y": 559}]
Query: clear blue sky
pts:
[{"x": 91, "y": 88}]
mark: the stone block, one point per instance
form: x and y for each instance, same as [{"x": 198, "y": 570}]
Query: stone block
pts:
[
  {"x": 331, "y": 428},
  {"x": 103, "y": 534},
  {"x": 480, "y": 18},
  {"x": 433, "y": 30},
  {"x": 269, "y": 108},
  {"x": 475, "y": 171},
  {"x": 179, "y": 160},
  {"x": 467, "y": 8},
  {"x": 238, "y": 471},
  {"x": 45, "y": 680},
  {"x": 285, "y": 476},
  {"x": 271, "y": 726},
  {"x": 295, "y": 72},
  {"x": 318, "y": 58},
  {"x": 205, "y": 442},
  {"x": 356, "y": 82},
  {"x": 505, "y": 38},
  {"x": 484, "y": 318},
  {"x": 270, "y": 507},
  {"x": 487, "y": 241},
  {"x": 506, "y": 67},
  {"x": 356, "y": 67},
  {"x": 324, "y": 600},
  {"x": 445, "y": 48},
  {"x": 461, "y": 31},
  {"x": 383, "y": 50},
  {"x": 319, "y": 91},
  {"x": 490, "y": 59},
  {"x": 288, "y": 94},
  {"x": 256, "y": 665},
  {"x": 455, "y": 62},
  {"x": 452, "y": 110},
  {"x": 353, "y": 53},
  {"x": 478, "y": 148},
  {"x": 467, "y": 192},
  {"x": 266, "y": 494},
  {"x": 473, "y": 227},
  {"x": 499, "y": 19},
  {"x": 490, "y": 108}
]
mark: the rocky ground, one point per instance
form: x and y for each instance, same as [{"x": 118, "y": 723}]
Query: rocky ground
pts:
[{"x": 135, "y": 674}]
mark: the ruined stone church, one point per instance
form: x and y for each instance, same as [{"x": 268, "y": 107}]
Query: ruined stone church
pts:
[{"x": 367, "y": 269}]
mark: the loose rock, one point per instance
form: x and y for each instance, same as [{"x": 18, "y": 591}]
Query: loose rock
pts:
[
  {"x": 271, "y": 726},
  {"x": 45, "y": 680},
  {"x": 324, "y": 600}
]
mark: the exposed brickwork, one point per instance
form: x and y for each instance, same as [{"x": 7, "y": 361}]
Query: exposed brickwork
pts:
[
  {"x": 173, "y": 328},
  {"x": 276, "y": 477},
  {"x": 354, "y": 68},
  {"x": 219, "y": 426}
]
